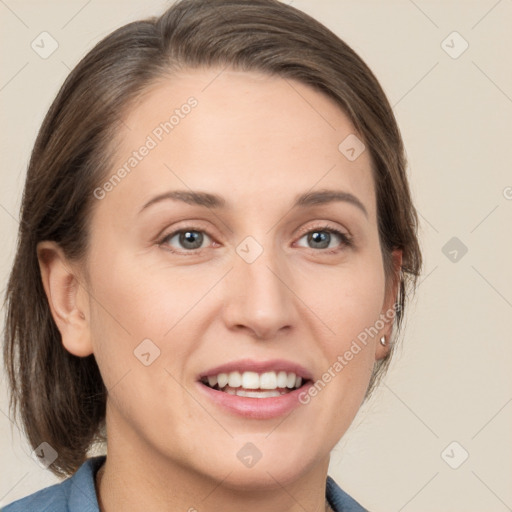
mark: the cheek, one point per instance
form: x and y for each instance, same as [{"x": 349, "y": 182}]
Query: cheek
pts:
[
  {"x": 350, "y": 305},
  {"x": 138, "y": 298},
  {"x": 134, "y": 299},
  {"x": 127, "y": 307},
  {"x": 349, "y": 297}
]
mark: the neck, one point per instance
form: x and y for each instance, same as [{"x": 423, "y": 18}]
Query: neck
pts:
[{"x": 135, "y": 477}]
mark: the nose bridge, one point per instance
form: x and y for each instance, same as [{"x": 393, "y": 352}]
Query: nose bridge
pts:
[
  {"x": 259, "y": 265},
  {"x": 260, "y": 298}
]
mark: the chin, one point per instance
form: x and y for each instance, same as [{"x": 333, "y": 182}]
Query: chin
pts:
[{"x": 260, "y": 469}]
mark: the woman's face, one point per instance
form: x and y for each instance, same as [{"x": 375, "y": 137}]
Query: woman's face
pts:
[{"x": 246, "y": 285}]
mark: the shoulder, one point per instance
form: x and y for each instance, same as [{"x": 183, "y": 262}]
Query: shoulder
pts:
[
  {"x": 339, "y": 500},
  {"x": 51, "y": 498},
  {"x": 75, "y": 494}
]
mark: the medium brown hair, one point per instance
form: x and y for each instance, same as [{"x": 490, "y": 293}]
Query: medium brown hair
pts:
[{"x": 61, "y": 397}]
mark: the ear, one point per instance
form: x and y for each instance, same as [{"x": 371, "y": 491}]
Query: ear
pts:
[
  {"x": 67, "y": 298},
  {"x": 388, "y": 312}
]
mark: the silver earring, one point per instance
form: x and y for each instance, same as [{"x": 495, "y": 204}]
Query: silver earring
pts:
[{"x": 383, "y": 341}]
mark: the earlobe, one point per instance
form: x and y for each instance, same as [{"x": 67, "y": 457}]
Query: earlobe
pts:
[
  {"x": 66, "y": 297},
  {"x": 388, "y": 314}
]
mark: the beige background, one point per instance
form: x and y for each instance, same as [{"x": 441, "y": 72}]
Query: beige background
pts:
[{"x": 452, "y": 379}]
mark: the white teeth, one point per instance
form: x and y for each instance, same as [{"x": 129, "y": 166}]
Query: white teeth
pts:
[
  {"x": 222, "y": 379},
  {"x": 268, "y": 380},
  {"x": 282, "y": 379},
  {"x": 250, "y": 380},
  {"x": 235, "y": 380},
  {"x": 258, "y": 394},
  {"x": 253, "y": 381}
]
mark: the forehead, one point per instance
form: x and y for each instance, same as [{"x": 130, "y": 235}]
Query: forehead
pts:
[{"x": 247, "y": 136}]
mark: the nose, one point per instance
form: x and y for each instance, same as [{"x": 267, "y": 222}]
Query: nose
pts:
[{"x": 259, "y": 297}]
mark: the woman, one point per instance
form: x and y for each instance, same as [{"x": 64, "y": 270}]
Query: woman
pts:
[{"x": 216, "y": 241}]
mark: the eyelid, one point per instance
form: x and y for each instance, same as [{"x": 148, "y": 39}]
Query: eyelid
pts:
[
  {"x": 325, "y": 225},
  {"x": 344, "y": 235},
  {"x": 189, "y": 227}
]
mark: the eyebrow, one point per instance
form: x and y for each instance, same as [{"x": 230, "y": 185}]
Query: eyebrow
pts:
[{"x": 209, "y": 200}]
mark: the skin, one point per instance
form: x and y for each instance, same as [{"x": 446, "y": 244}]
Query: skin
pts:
[{"x": 258, "y": 142}]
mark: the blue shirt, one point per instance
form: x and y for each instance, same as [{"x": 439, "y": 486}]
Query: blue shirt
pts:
[{"x": 78, "y": 494}]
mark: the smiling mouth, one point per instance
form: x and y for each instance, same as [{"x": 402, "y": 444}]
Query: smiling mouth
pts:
[{"x": 255, "y": 385}]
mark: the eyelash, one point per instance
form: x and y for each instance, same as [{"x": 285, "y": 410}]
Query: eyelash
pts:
[{"x": 346, "y": 240}]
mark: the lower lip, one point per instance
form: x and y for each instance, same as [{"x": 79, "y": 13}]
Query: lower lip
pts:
[{"x": 255, "y": 408}]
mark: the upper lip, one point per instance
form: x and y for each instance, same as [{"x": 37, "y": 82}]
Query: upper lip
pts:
[{"x": 250, "y": 365}]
